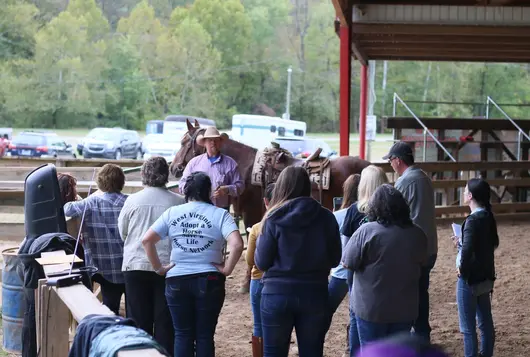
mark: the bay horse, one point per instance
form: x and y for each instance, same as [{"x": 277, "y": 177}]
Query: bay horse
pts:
[{"x": 250, "y": 204}]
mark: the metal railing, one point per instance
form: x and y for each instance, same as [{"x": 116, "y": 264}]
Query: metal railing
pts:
[
  {"x": 129, "y": 170},
  {"x": 521, "y": 131},
  {"x": 426, "y": 131}
]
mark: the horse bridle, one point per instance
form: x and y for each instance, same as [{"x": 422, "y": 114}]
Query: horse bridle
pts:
[{"x": 191, "y": 145}]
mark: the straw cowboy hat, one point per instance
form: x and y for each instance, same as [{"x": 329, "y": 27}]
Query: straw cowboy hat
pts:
[{"x": 211, "y": 133}]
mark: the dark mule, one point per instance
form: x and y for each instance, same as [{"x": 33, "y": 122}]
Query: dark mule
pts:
[{"x": 250, "y": 204}]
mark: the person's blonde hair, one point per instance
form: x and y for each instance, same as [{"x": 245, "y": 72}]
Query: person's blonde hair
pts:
[
  {"x": 371, "y": 178},
  {"x": 350, "y": 190}
]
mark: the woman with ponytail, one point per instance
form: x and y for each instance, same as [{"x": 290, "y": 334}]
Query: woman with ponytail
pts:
[{"x": 476, "y": 270}]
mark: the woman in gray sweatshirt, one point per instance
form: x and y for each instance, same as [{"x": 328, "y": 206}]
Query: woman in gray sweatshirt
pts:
[{"x": 386, "y": 255}]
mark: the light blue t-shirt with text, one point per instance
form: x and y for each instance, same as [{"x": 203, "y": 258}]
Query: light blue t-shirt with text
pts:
[{"x": 198, "y": 232}]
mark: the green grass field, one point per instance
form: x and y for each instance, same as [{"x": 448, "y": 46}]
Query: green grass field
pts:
[{"x": 378, "y": 148}]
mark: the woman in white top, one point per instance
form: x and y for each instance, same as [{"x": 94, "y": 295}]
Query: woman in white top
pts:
[
  {"x": 145, "y": 289},
  {"x": 195, "y": 278}
]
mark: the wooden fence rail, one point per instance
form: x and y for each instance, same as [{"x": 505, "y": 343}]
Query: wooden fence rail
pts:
[
  {"x": 64, "y": 162},
  {"x": 56, "y": 309}
]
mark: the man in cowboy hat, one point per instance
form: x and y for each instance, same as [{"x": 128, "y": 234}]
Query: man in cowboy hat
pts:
[{"x": 222, "y": 169}]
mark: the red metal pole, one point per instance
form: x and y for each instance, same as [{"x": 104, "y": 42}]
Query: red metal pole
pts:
[
  {"x": 345, "y": 89},
  {"x": 362, "y": 112}
]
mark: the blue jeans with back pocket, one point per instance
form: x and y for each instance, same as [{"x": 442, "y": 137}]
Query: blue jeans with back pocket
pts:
[
  {"x": 473, "y": 309},
  {"x": 306, "y": 311},
  {"x": 195, "y": 303}
]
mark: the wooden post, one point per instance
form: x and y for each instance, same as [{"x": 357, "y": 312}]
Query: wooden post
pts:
[
  {"x": 54, "y": 319},
  {"x": 345, "y": 89},
  {"x": 362, "y": 112}
]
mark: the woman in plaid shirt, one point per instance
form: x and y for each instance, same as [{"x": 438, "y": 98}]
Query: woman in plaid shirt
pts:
[{"x": 101, "y": 238}]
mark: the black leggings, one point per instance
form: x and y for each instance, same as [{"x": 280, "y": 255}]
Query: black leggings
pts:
[{"x": 110, "y": 292}]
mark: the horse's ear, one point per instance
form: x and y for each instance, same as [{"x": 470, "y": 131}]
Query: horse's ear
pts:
[
  {"x": 188, "y": 124},
  {"x": 196, "y": 123}
]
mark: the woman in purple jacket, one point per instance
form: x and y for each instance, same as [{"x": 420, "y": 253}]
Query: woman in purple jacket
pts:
[{"x": 299, "y": 244}]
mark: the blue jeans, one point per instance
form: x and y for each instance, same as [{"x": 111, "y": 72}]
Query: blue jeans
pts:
[
  {"x": 373, "y": 331},
  {"x": 472, "y": 307},
  {"x": 421, "y": 326},
  {"x": 337, "y": 290},
  {"x": 307, "y": 312},
  {"x": 255, "y": 299},
  {"x": 353, "y": 335},
  {"x": 195, "y": 303}
]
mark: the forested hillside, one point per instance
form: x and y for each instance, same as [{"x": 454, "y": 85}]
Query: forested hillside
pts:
[{"x": 82, "y": 63}]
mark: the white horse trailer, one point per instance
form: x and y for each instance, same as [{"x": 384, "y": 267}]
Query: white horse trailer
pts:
[
  {"x": 258, "y": 130},
  {"x": 176, "y": 124}
]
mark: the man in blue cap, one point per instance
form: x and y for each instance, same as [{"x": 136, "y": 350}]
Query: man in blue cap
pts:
[{"x": 417, "y": 188}]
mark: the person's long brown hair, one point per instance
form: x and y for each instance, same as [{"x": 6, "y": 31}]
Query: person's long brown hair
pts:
[
  {"x": 292, "y": 183},
  {"x": 67, "y": 186},
  {"x": 350, "y": 189}
]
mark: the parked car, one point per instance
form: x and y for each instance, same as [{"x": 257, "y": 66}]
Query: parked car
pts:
[
  {"x": 303, "y": 147},
  {"x": 39, "y": 144},
  {"x": 91, "y": 135},
  {"x": 160, "y": 145},
  {"x": 112, "y": 143}
]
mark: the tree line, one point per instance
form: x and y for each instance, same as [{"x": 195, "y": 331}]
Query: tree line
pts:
[{"x": 87, "y": 63}]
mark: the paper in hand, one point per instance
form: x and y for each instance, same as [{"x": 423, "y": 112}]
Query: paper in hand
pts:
[{"x": 457, "y": 230}]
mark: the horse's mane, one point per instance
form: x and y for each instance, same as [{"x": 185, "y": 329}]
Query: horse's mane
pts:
[{"x": 238, "y": 144}]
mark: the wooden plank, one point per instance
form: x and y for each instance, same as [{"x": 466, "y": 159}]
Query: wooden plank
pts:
[
  {"x": 439, "y": 2},
  {"x": 497, "y": 208},
  {"x": 19, "y": 173},
  {"x": 15, "y": 196},
  {"x": 38, "y": 312},
  {"x": 35, "y": 162},
  {"x": 465, "y": 166},
  {"x": 343, "y": 11},
  {"x": 131, "y": 186},
  {"x": 499, "y": 217},
  {"x": 435, "y": 46},
  {"x": 517, "y": 182},
  {"x": 13, "y": 232},
  {"x": 81, "y": 302},
  {"x": 56, "y": 325},
  {"x": 491, "y": 32},
  {"x": 444, "y": 57},
  {"x": 457, "y": 123}
]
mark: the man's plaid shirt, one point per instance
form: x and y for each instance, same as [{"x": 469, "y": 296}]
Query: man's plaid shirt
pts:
[{"x": 101, "y": 238}]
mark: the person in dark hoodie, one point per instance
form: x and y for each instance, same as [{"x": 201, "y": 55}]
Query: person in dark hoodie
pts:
[{"x": 299, "y": 244}]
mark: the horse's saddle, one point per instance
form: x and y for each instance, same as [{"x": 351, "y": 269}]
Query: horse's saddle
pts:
[
  {"x": 268, "y": 164},
  {"x": 319, "y": 169}
]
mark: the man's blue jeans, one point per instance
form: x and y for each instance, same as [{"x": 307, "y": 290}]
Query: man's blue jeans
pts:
[
  {"x": 307, "y": 312},
  {"x": 195, "y": 303},
  {"x": 421, "y": 325},
  {"x": 373, "y": 331},
  {"x": 353, "y": 335},
  {"x": 255, "y": 301},
  {"x": 470, "y": 310}
]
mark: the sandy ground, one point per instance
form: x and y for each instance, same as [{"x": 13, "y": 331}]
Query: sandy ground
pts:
[{"x": 510, "y": 303}]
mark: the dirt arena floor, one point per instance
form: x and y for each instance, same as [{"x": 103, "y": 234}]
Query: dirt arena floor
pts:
[{"x": 511, "y": 302}]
